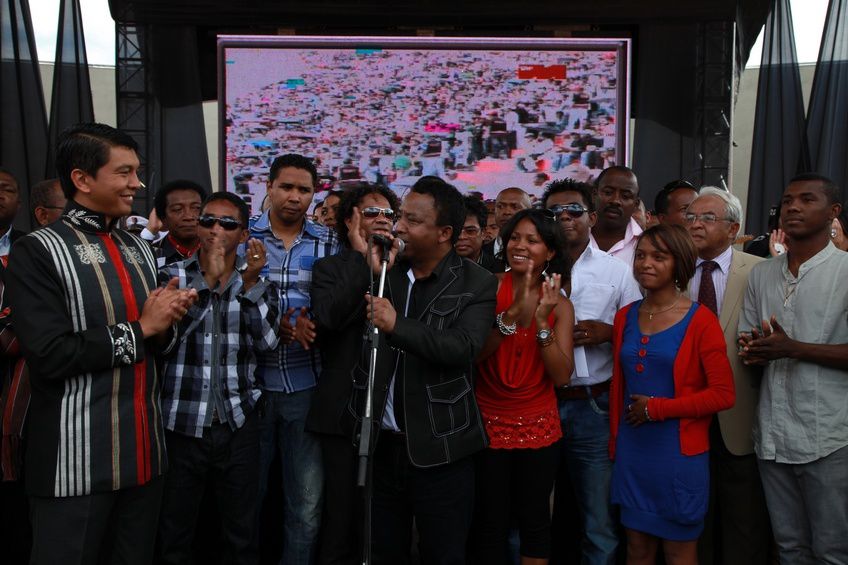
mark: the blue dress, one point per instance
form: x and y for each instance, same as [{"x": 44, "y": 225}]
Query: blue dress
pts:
[{"x": 661, "y": 491}]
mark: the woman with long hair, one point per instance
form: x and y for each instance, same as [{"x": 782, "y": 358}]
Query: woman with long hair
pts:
[
  {"x": 670, "y": 375},
  {"x": 527, "y": 354}
]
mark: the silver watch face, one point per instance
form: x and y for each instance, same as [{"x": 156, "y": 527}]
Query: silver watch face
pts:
[{"x": 543, "y": 334}]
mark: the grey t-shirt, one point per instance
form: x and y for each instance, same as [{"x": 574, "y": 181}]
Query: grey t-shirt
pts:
[{"x": 803, "y": 409}]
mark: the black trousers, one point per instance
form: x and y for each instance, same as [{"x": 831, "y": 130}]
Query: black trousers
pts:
[
  {"x": 113, "y": 527},
  {"x": 513, "y": 483},
  {"x": 341, "y": 525},
  {"x": 737, "y": 529},
  {"x": 229, "y": 461},
  {"x": 440, "y": 499}
]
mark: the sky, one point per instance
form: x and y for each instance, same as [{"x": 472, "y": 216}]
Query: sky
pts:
[{"x": 808, "y": 17}]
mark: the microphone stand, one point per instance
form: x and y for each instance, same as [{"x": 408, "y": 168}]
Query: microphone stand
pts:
[{"x": 367, "y": 433}]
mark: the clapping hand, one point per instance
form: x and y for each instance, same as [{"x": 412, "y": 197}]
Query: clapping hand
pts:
[
  {"x": 256, "y": 260},
  {"x": 774, "y": 343},
  {"x": 550, "y": 298},
  {"x": 164, "y": 307}
]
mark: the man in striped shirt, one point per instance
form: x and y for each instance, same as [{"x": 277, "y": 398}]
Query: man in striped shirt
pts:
[{"x": 87, "y": 313}]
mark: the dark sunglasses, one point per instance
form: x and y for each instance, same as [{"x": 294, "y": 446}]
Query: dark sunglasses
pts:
[
  {"x": 374, "y": 211},
  {"x": 573, "y": 210},
  {"x": 227, "y": 223}
]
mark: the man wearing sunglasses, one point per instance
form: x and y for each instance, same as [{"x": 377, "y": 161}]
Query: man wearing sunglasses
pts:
[
  {"x": 672, "y": 201},
  {"x": 600, "y": 285},
  {"x": 288, "y": 375},
  {"x": 365, "y": 211},
  {"x": 209, "y": 392},
  {"x": 470, "y": 242}
]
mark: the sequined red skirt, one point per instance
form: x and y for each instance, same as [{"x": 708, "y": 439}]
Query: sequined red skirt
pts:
[{"x": 520, "y": 432}]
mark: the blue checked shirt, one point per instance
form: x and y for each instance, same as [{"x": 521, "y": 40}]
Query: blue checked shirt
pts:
[
  {"x": 291, "y": 368},
  {"x": 210, "y": 364}
]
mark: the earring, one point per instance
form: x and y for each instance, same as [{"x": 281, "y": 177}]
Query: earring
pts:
[
  {"x": 545, "y": 270},
  {"x": 832, "y": 234},
  {"x": 677, "y": 284}
]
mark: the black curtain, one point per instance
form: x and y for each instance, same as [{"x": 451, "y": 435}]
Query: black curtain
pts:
[
  {"x": 779, "y": 146},
  {"x": 71, "y": 100},
  {"x": 827, "y": 121},
  {"x": 23, "y": 120}
]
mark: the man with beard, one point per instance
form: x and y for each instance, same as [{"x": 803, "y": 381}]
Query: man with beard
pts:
[
  {"x": 365, "y": 211},
  {"x": 618, "y": 197},
  {"x": 600, "y": 285}
]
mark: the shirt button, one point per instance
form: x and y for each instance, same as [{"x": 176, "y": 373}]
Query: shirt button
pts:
[
  {"x": 645, "y": 339},
  {"x": 639, "y": 367},
  {"x": 205, "y": 387},
  {"x": 642, "y": 353}
]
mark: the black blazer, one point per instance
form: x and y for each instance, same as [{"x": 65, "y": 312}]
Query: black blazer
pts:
[
  {"x": 434, "y": 353},
  {"x": 494, "y": 263},
  {"x": 340, "y": 318}
]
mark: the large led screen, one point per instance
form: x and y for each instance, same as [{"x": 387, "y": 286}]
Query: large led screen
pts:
[{"x": 484, "y": 114}]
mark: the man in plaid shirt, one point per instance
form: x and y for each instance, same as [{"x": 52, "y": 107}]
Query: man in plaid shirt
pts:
[
  {"x": 209, "y": 391},
  {"x": 289, "y": 374}
]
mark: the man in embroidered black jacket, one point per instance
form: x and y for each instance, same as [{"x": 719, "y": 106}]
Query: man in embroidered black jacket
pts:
[
  {"x": 438, "y": 310},
  {"x": 86, "y": 309}
]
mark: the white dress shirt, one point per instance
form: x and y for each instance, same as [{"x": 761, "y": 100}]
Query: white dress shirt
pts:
[
  {"x": 719, "y": 277},
  {"x": 625, "y": 249},
  {"x": 600, "y": 287},
  {"x": 6, "y": 242},
  {"x": 389, "y": 421}
]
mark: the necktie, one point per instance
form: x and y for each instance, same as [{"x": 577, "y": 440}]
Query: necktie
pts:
[{"x": 707, "y": 291}]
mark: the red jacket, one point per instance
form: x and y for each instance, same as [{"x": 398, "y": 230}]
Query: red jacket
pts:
[{"x": 703, "y": 382}]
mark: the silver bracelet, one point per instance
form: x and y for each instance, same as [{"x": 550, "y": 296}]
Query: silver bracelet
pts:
[
  {"x": 647, "y": 416},
  {"x": 503, "y": 328}
]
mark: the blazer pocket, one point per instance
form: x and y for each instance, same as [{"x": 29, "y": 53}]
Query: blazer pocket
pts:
[
  {"x": 444, "y": 310},
  {"x": 449, "y": 406}
]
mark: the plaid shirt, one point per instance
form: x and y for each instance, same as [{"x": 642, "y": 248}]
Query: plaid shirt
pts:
[
  {"x": 210, "y": 364},
  {"x": 291, "y": 368}
]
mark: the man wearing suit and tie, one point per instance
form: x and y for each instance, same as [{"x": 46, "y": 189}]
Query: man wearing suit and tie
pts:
[{"x": 737, "y": 514}]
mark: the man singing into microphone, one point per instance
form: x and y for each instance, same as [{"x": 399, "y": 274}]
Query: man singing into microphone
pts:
[
  {"x": 436, "y": 314},
  {"x": 365, "y": 211}
]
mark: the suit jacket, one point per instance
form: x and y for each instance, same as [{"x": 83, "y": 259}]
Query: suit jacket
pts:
[
  {"x": 434, "y": 354},
  {"x": 737, "y": 423},
  {"x": 495, "y": 264},
  {"x": 341, "y": 328}
]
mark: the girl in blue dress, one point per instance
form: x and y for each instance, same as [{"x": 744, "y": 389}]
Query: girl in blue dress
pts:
[{"x": 671, "y": 375}]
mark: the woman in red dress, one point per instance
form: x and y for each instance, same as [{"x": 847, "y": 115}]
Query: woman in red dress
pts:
[{"x": 526, "y": 355}]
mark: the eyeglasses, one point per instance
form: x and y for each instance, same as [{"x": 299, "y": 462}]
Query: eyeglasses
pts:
[
  {"x": 703, "y": 218},
  {"x": 573, "y": 210},
  {"x": 226, "y": 222},
  {"x": 470, "y": 231},
  {"x": 374, "y": 211}
]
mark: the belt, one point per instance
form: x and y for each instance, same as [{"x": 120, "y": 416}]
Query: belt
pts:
[{"x": 582, "y": 392}]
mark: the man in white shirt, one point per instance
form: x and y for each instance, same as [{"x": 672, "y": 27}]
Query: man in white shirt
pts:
[
  {"x": 600, "y": 286},
  {"x": 616, "y": 231},
  {"x": 737, "y": 523}
]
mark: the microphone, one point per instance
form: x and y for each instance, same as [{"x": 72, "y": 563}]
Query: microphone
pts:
[{"x": 386, "y": 244}]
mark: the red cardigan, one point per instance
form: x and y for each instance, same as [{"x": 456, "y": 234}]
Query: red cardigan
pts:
[{"x": 703, "y": 382}]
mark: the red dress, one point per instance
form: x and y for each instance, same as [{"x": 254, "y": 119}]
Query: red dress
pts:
[{"x": 515, "y": 395}]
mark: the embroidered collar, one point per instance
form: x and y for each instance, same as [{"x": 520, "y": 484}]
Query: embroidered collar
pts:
[
  {"x": 183, "y": 250},
  {"x": 86, "y": 220}
]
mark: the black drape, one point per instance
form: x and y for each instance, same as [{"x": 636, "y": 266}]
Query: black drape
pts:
[
  {"x": 23, "y": 120},
  {"x": 827, "y": 121},
  {"x": 779, "y": 146},
  {"x": 71, "y": 100}
]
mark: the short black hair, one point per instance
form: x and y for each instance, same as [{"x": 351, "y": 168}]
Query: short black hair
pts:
[
  {"x": 477, "y": 208},
  {"x": 241, "y": 205},
  {"x": 829, "y": 188},
  {"x": 551, "y": 233},
  {"x": 160, "y": 201},
  {"x": 661, "y": 199},
  {"x": 86, "y": 147},
  {"x": 296, "y": 161},
  {"x": 353, "y": 197},
  {"x": 41, "y": 193},
  {"x": 616, "y": 169},
  {"x": 584, "y": 189},
  {"x": 4, "y": 170},
  {"x": 450, "y": 210}
]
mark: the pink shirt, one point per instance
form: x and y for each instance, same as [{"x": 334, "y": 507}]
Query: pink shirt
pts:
[{"x": 625, "y": 249}]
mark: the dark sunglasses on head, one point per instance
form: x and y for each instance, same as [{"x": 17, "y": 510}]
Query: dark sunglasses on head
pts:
[
  {"x": 573, "y": 210},
  {"x": 226, "y": 222},
  {"x": 374, "y": 211}
]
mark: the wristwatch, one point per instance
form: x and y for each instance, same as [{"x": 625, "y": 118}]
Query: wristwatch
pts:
[{"x": 544, "y": 335}]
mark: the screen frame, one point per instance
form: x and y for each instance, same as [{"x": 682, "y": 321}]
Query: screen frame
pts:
[{"x": 622, "y": 46}]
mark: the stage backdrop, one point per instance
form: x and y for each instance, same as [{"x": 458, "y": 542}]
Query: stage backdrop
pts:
[{"x": 482, "y": 113}]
